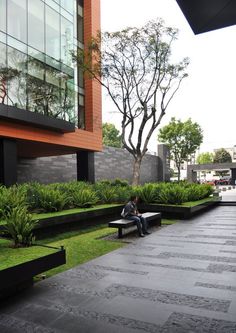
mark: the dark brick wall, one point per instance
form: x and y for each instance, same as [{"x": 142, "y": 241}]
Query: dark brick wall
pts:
[{"x": 111, "y": 163}]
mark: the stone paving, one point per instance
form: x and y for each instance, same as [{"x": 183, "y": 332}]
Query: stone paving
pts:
[{"x": 181, "y": 278}]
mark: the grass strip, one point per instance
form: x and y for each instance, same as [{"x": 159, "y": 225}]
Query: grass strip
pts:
[{"x": 81, "y": 246}]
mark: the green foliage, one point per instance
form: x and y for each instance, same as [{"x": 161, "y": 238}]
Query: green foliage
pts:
[
  {"x": 183, "y": 139},
  {"x": 122, "y": 194},
  {"x": 205, "y": 158},
  {"x": 173, "y": 195},
  {"x": 33, "y": 195},
  {"x": 84, "y": 198},
  {"x": 105, "y": 193},
  {"x": 222, "y": 156},
  {"x": 51, "y": 200},
  {"x": 115, "y": 182},
  {"x": 57, "y": 197},
  {"x": 19, "y": 224},
  {"x": 147, "y": 193},
  {"x": 111, "y": 136},
  {"x": 10, "y": 198},
  {"x": 136, "y": 68}
]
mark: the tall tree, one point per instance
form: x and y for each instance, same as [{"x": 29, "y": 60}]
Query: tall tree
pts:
[
  {"x": 205, "y": 158},
  {"x": 183, "y": 139},
  {"x": 111, "y": 136},
  {"x": 222, "y": 156},
  {"x": 134, "y": 65}
]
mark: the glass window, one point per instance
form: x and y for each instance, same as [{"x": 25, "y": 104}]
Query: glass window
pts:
[
  {"x": 81, "y": 78},
  {"x": 3, "y": 15},
  {"x": 52, "y": 33},
  {"x": 80, "y": 26},
  {"x": 67, "y": 98},
  {"x": 36, "y": 24},
  {"x": 66, "y": 41},
  {"x": 16, "y": 77},
  {"x": 16, "y": 20},
  {"x": 35, "y": 82},
  {"x": 3, "y": 74},
  {"x": 68, "y": 5}
]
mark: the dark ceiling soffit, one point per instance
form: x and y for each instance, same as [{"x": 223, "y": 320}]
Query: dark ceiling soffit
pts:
[
  {"x": 13, "y": 114},
  {"x": 208, "y": 15}
]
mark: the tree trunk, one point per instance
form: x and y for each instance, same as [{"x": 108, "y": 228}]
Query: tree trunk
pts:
[
  {"x": 178, "y": 173},
  {"x": 136, "y": 171}
]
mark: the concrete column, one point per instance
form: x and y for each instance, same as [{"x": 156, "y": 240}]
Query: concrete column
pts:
[
  {"x": 85, "y": 166},
  {"x": 163, "y": 152},
  {"x": 233, "y": 176},
  {"x": 8, "y": 162}
]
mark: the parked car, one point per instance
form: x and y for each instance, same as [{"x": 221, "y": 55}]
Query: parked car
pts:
[{"x": 223, "y": 181}]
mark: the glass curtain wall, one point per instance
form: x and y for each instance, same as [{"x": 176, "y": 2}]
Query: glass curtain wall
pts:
[{"x": 36, "y": 68}]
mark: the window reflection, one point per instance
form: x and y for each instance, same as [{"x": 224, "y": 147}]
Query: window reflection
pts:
[
  {"x": 52, "y": 33},
  {"x": 36, "y": 68},
  {"x": 16, "y": 21},
  {"x": 36, "y": 75},
  {"x": 36, "y": 24},
  {"x": 3, "y": 14},
  {"x": 3, "y": 74},
  {"x": 68, "y": 5},
  {"x": 66, "y": 41},
  {"x": 16, "y": 78}
]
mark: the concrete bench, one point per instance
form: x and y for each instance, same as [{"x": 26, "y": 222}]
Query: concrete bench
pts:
[{"x": 124, "y": 224}]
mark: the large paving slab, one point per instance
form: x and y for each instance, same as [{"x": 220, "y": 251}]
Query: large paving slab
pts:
[{"x": 181, "y": 278}]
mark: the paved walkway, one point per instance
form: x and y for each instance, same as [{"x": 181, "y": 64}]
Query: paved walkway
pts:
[
  {"x": 181, "y": 278},
  {"x": 229, "y": 195}
]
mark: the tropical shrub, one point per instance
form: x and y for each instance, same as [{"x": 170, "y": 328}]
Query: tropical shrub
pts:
[
  {"x": 19, "y": 225},
  {"x": 122, "y": 193},
  {"x": 84, "y": 198},
  {"x": 10, "y": 198},
  {"x": 173, "y": 195},
  {"x": 147, "y": 193},
  {"x": 105, "y": 193},
  {"x": 52, "y": 200},
  {"x": 33, "y": 195}
]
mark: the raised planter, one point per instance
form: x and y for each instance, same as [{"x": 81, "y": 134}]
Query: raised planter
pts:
[
  {"x": 181, "y": 212},
  {"x": 18, "y": 277},
  {"x": 80, "y": 219}
]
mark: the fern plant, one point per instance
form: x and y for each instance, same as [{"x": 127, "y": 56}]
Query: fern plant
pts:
[
  {"x": 19, "y": 225},
  {"x": 84, "y": 198}
]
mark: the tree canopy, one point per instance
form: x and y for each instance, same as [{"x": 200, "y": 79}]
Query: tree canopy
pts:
[
  {"x": 205, "y": 158},
  {"x": 182, "y": 138},
  {"x": 136, "y": 69},
  {"x": 111, "y": 136},
  {"x": 222, "y": 156}
]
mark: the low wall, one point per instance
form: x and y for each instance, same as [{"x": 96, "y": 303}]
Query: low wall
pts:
[{"x": 111, "y": 163}]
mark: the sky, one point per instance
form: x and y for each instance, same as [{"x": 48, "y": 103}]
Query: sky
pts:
[{"x": 208, "y": 95}]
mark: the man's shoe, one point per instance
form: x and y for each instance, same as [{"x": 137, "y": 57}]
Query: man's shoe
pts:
[
  {"x": 141, "y": 235},
  {"x": 147, "y": 233}
]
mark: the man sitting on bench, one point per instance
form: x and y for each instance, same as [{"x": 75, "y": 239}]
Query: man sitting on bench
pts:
[{"x": 130, "y": 212}]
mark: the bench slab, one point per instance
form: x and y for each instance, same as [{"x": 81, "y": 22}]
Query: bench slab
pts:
[{"x": 123, "y": 223}]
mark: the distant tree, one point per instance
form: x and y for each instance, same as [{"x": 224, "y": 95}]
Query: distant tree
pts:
[
  {"x": 111, "y": 136},
  {"x": 205, "y": 158},
  {"x": 222, "y": 156},
  {"x": 183, "y": 139},
  {"x": 136, "y": 69}
]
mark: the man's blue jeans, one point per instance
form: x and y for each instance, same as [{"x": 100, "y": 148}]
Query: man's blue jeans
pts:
[{"x": 140, "y": 222}]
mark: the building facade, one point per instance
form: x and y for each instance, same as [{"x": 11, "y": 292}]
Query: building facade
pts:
[{"x": 47, "y": 107}]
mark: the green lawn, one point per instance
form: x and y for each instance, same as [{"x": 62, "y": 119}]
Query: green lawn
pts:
[
  {"x": 81, "y": 246},
  {"x": 11, "y": 257},
  {"x": 189, "y": 203},
  {"x": 168, "y": 222},
  {"x": 73, "y": 211}
]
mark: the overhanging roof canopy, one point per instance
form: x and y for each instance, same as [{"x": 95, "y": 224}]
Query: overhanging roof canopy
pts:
[{"x": 207, "y": 15}]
